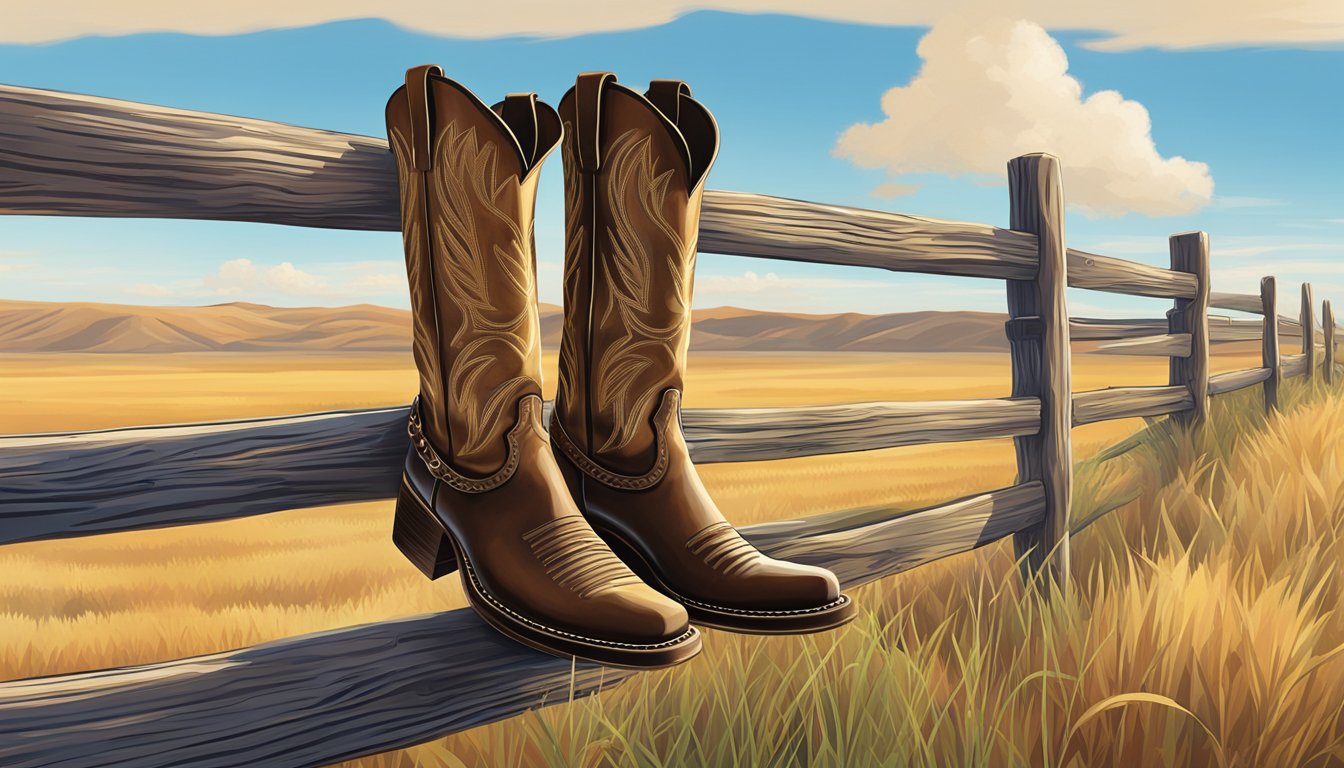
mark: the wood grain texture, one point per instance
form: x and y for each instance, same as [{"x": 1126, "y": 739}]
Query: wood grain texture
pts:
[
  {"x": 1221, "y": 328},
  {"x": 127, "y": 479},
  {"x": 1231, "y": 381},
  {"x": 67, "y": 154},
  {"x": 1270, "y": 356},
  {"x": 1328, "y": 324},
  {"x": 317, "y": 699},
  {"x": 1307, "y": 328},
  {"x": 766, "y": 434},
  {"x": 1114, "y": 329},
  {"x": 1294, "y": 366},
  {"x": 1241, "y": 302},
  {"x": 1172, "y": 345},
  {"x": 1190, "y": 255},
  {"x": 1225, "y": 329},
  {"x": 867, "y": 544},
  {"x": 1129, "y": 402},
  {"x": 1041, "y": 366},
  {"x": 1112, "y": 275},
  {"x": 743, "y": 224}
]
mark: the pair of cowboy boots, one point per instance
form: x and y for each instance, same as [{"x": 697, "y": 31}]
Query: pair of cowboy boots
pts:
[{"x": 597, "y": 541}]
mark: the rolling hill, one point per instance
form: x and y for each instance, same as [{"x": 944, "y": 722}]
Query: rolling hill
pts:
[{"x": 31, "y": 326}]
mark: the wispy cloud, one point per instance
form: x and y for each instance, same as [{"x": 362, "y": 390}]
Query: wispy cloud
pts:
[
  {"x": 244, "y": 279},
  {"x": 1235, "y": 202},
  {"x": 749, "y": 283},
  {"x": 1121, "y": 26},
  {"x": 891, "y": 189},
  {"x": 993, "y": 88},
  {"x": 16, "y": 261},
  {"x": 150, "y": 290}
]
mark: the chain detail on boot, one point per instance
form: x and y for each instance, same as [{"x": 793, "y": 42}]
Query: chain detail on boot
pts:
[{"x": 529, "y": 409}]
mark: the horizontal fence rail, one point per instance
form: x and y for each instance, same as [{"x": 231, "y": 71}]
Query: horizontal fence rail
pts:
[
  {"x": 128, "y": 479},
  {"x": 1294, "y": 365},
  {"x": 88, "y": 156},
  {"x": 1241, "y": 302},
  {"x": 1161, "y": 345},
  {"x": 1221, "y": 329},
  {"x": 1129, "y": 402},
  {"x": 317, "y": 699},
  {"x": 1231, "y": 381},
  {"x": 1112, "y": 275},
  {"x": 109, "y": 481}
]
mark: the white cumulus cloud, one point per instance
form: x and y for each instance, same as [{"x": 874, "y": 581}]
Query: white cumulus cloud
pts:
[{"x": 992, "y": 89}]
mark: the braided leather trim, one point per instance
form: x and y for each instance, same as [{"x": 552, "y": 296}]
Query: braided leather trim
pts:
[
  {"x": 662, "y": 423},
  {"x": 443, "y": 471}
]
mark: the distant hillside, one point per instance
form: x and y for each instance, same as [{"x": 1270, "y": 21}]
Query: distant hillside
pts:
[{"x": 30, "y": 326}]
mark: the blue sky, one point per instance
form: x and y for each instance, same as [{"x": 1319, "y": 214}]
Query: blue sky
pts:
[{"x": 1265, "y": 119}]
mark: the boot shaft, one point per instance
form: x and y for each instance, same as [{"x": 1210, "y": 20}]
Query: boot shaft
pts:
[
  {"x": 634, "y": 170},
  {"x": 468, "y": 182}
]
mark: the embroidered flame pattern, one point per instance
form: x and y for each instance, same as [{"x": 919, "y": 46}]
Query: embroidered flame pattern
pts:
[
  {"x": 486, "y": 274},
  {"x": 648, "y": 264}
]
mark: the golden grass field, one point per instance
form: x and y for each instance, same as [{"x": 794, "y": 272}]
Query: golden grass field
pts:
[{"x": 1214, "y": 591}]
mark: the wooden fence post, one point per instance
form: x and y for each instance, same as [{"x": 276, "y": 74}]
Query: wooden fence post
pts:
[
  {"x": 1269, "y": 305},
  {"x": 1038, "y": 333},
  {"x": 1190, "y": 253},
  {"x": 1308, "y": 330},
  {"x": 1328, "y": 321}
]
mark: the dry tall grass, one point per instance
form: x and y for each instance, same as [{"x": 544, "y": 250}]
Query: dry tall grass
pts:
[{"x": 1203, "y": 629}]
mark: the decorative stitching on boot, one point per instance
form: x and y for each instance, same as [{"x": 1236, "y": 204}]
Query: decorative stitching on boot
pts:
[
  {"x": 480, "y": 590},
  {"x": 836, "y": 603},
  {"x": 469, "y": 572},
  {"x": 662, "y": 585},
  {"x": 723, "y": 548},
  {"x": 443, "y": 471},
  {"x": 575, "y": 558},
  {"x": 667, "y": 410}
]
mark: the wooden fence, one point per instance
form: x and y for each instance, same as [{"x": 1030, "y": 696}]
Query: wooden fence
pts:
[{"x": 324, "y": 697}]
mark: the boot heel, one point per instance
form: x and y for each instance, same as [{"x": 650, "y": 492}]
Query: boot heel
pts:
[{"x": 420, "y": 538}]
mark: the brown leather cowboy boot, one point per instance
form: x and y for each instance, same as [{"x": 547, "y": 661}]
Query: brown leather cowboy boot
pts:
[
  {"x": 481, "y": 488},
  {"x": 634, "y": 171}
]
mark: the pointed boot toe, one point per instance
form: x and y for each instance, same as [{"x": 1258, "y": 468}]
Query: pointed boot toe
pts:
[
  {"x": 635, "y": 166},
  {"x": 646, "y": 615}
]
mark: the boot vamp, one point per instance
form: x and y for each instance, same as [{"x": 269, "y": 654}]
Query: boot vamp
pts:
[
  {"x": 680, "y": 533},
  {"x": 533, "y": 554}
]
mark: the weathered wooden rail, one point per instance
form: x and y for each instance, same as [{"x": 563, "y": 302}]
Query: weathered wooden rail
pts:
[{"x": 320, "y": 698}]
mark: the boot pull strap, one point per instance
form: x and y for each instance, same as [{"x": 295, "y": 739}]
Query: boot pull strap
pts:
[
  {"x": 519, "y": 112},
  {"x": 666, "y": 96},
  {"x": 587, "y": 114},
  {"x": 422, "y": 115}
]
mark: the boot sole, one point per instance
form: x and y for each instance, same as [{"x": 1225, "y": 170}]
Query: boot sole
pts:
[
  {"x": 751, "y": 622},
  {"x": 433, "y": 549}
]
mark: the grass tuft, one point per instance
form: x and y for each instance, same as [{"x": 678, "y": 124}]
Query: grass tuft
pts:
[{"x": 1203, "y": 630}]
